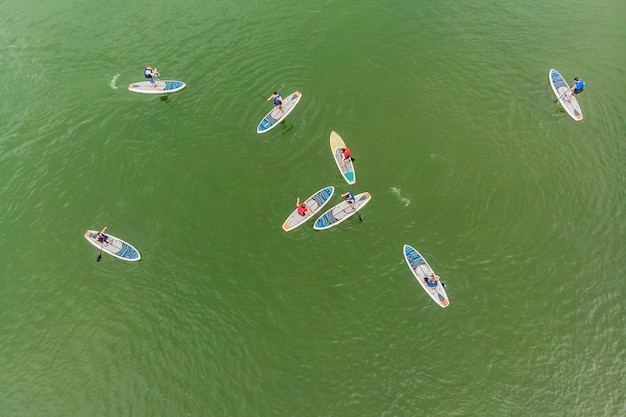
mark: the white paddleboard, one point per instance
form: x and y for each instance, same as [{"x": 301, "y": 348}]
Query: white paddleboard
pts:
[
  {"x": 314, "y": 203},
  {"x": 114, "y": 246},
  {"x": 341, "y": 212},
  {"x": 161, "y": 87},
  {"x": 564, "y": 95},
  {"x": 421, "y": 270},
  {"x": 273, "y": 118},
  {"x": 346, "y": 167}
]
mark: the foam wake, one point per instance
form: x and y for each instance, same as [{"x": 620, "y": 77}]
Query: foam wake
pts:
[
  {"x": 405, "y": 201},
  {"x": 113, "y": 80}
]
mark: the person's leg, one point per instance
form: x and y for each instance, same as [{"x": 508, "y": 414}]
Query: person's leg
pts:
[{"x": 571, "y": 96}]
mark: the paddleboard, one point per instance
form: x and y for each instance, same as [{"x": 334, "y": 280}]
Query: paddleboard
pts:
[
  {"x": 563, "y": 94},
  {"x": 114, "y": 246},
  {"x": 341, "y": 212},
  {"x": 314, "y": 203},
  {"x": 421, "y": 270},
  {"x": 276, "y": 116},
  {"x": 162, "y": 87},
  {"x": 345, "y": 165}
]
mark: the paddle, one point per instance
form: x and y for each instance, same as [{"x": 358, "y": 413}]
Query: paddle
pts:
[
  {"x": 357, "y": 213},
  {"x": 101, "y": 232},
  {"x": 268, "y": 100},
  {"x": 562, "y": 95}
]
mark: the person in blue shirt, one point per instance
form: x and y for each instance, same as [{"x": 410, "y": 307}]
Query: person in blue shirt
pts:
[
  {"x": 150, "y": 74},
  {"x": 349, "y": 197},
  {"x": 433, "y": 280},
  {"x": 577, "y": 88},
  {"x": 102, "y": 238},
  {"x": 278, "y": 101}
]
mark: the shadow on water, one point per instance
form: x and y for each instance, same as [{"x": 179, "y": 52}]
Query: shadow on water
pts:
[{"x": 285, "y": 127}]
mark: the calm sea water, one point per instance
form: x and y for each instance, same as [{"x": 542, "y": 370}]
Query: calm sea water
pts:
[{"x": 448, "y": 112}]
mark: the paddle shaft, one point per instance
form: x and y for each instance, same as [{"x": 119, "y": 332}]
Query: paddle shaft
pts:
[
  {"x": 101, "y": 232},
  {"x": 357, "y": 213},
  {"x": 562, "y": 95}
]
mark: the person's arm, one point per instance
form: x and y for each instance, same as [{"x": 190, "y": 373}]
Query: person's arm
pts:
[
  {"x": 271, "y": 97},
  {"x": 298, "y": 202}
]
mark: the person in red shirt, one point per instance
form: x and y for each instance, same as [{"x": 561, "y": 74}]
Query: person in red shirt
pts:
[
  {"x": 345, "y": 156},
  {"x": 303, "y": 210}
]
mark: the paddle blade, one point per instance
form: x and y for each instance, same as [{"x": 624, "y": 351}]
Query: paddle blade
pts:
[{"x": 99, "y": 258}]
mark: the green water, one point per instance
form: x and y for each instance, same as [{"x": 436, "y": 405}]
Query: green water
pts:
[{"x": 448, "y": 112}]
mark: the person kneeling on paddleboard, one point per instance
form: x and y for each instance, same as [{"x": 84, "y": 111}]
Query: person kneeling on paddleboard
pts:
[
  {"x": 349, "y": 197},
  {"x": 150, "y": 73},
  {"x": 101, "y": 237},
  {"x": 433, "y": 280},
  {"x": 278, "y": 100},
  {"x": 303, "y": 210},
  {"x": 345, "y": 155},
  {"x": 577, "y": 88}
]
